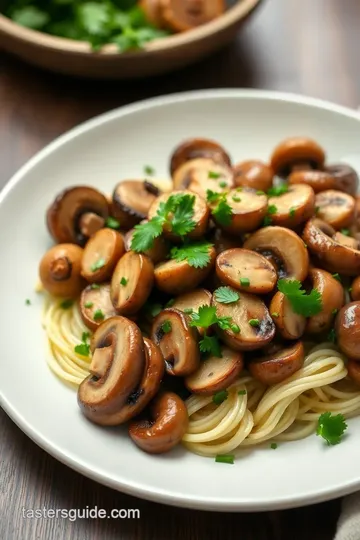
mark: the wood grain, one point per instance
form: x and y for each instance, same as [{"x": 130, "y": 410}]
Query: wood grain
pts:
[{"x": 307, "y": 47}]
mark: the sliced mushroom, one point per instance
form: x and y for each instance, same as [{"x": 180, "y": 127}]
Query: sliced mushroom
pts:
[
  {"x": 199, "y": 175},
  {"x": 200, "y": 217},
  {"x": 345, "y": 240},
  {"x": 192, "y": 301},
  {"x": 346, "y": 178},
  {"x": 178, "y": 342},
  {"x": 332, "y": 299},
  {"x": 293, "y": 207},
  {"x": 250, "y": 314},
  {"x": 246, "y": 270},
  {"x": 153, "y": 12},
  {"x": 336, "y": 208},
  {"x": 215, "y": 374},
  {"x": 167, "y": 426},
  {"x": 355, "y": 289},
  {"x": 353, "y": 368},
  {"x": 60, "y": 271},
  {"x": 101, "y": 255},
  {"x": 248, "y": 209},
  {"x": 131, "y": 201},
  {"x": 96, "y": 305},
  {"x": 333, "y": 256},
  {"x": 76, "y": 214},
  {"x": 279, "y": 366},
  {"x": 253, "y": 174},
  {"x": 285, "y": 250},
  {"x": 183, "y": 15},
  {"x": 177, "y": 277},
  {"x": 157, "y": 253},
  {"x": 290, "y": 325},
  {"x": 131, "y": 282},
  {"x": 118, "y": 361},
  {"x": 198, "y": 148},
  {"x": 297, "y": 153},
  {"x": 347, "y": 328},
  {"x": 317, "y": 180},
  {"x": 222, "y": 241}
]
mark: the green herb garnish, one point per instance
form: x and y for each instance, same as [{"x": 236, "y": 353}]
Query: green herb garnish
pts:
[
  {"x": 337, "y": 277},
  {"x": 123, "y": 281},
  {"x": 66, "y": 304},
  {"x": 98, "y": 315},
  {"x": 223, "y": 184},
  {"x": 196, "y": 254},
  {"x": 276, "y": 191},
  {"x": 210, "y": 344},
  {"x": 254, "y": 322},
  {"x": 95, "y": 286},
  {"x": 273, "y": 446},
  {"x": 245, "y": 282},
  {"x": 301, "y": 303},
  {"x": 346, "y": 232},
  {"x": 166, "y": 327},
  {"x": 100, "y": 263},
  {"x": 214, "y": 175},
  {"x": 84, "y": 348},
  {"x": 331, "y": 427},
  {"x": 89, "y": 304},
  {"x": 28, "y": 302},
  {"x": 220, "y": 397},
  {"x": 112, "y": 223},
  {"x": 225, "y": 458},
  {"x": 226, "y": 295},
  {"x": 292, "y": 211},
  {"x": 242, "y": 392},
  {"x": 149, "y": 171}
]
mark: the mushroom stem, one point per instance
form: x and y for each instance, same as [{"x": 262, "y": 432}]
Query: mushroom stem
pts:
[
  {"x": 90, "y": 223},
  {"x": 101, "y": 361},
  {"x": 60, "y": 269}
]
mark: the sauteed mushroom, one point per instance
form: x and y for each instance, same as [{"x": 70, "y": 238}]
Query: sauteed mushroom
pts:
[
  {"x": 178, "y": 342},
  {"x": 101, "y": 255},
  {"x": 253, "y": 174},
  {"x": 156, "y": 253},
  {"x": 346, "y": 178},
  {"x": 277, "y": 367},
  {"x": 297, "y": 153},
  {"x": 132, "y": 200},
  {"x": 345, "y": 240},
  {"x": 290, "y": 325},
  {"x": 355, "y": 289},
  {"x": 168, "y": 425},
  {"x": 317, "y": 180},
  {"x": 198, "y": 148},
  {"x": 76, "y": 214},
  {"x": 248, "y": 209},
  {"x": 182, "y": 15},
  {"x": 192, "y": 301},
  {"x": 284, "y": 249},
  {"x": 293, "y": 207},
  {"x": 60, "y": 270},
  {"x": 199, "y": 175},
  {"x": 117, "y": 365},
  {"x": 336, "y": 208},
  {"x": 347, "y": 327},
  {"x": 96, "y": 305},
  {"x": 332, "y": 299}
]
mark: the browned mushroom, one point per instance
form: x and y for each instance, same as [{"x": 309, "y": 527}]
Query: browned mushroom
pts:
[
  {"x": 293, "y": 207},
  {"x": 215, "y": 374},
  {"x": 182, "y": 15},
  {"x": 131, "y": 282},
  {"x": 192, "y": 301},
  {"x": 101, "y": 255},
  {"x": 297, "y": 153},
  {"x": 165, "y": 429},
  {"x": 353, "y": 368},
  {"x": 199, "y": 175},
  {"x": 284, "y": 249},
  {"x": 336, "y": 208},
  {"x": 200, "y": 215},
  {"x": 96, "y": 305},
  {"x": 279, "y": 366},
  {"x": 333, "y": 256},
  {"x": 76, "y": 214},
  {"x": 346, "y": 178},
  {"x": 248, "y": 209},
  {"x": 118, "y": 361},
  {"x": 153, "y": 12},
  {"x": 355, "y": 289},
  {"x": 246, "y": 270},
  {"x": 347, "y": 328},
  {"x": 253, "y": 174},
  {"x": 60, "y": 271},
  {"x": 290, "y": 325},
  {"x": 198, "y": 148},
  {"x": 177, "y": 277},
  {"x": 251, "y": 316},
  {"x": 332, "y": 299},
  {"x": 157, "y": 253},
  {"x": 346, "y": 240},
  {"x": 317, "y": 180},
  {"x": 132, "y": 200},
  {"x": 178, "y": 342}
]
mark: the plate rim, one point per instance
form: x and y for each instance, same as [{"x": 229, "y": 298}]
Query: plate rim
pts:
[{"x": 159, "y": 495}]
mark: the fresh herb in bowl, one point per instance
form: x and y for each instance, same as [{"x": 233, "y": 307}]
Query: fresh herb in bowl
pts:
[{"x": 122, "y": 22}]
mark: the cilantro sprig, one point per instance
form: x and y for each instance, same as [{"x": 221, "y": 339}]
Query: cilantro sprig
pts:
[
  {"x": 331, "y": 428},
  {"x": 196, "y": 254},
  {"x": 226, "y": 295},
  {"x": 176, "y": 213},
  {"x": 304, "y": 304},
  {"x": 84, "y": 348},
  {"x": 204, "y": 318},
  {"x": 222, "y": 212},
  {"x": 211, "y": 345}
]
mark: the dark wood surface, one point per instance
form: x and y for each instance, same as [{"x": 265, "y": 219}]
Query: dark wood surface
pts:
[{"x": 290, "y": 45}]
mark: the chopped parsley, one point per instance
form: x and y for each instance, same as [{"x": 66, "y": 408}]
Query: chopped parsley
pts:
[
  {"x": 301, "y": 303},
  {"x": 346, "y": 232},
  {"x": 223, "y": 184},
  {"x": 66, "y": 304},
  {"x": 272, "y": 209},
  {"x": 28, "y": 302},
  {"x": 245, "y": 282},
  {"x": 177, "y": 213},
  {"x": 188, "y": 311},
  {"x": 235, "y": 198},
  {"x": 332, "y": 336},
  {"x": 213, "y": 196},
  {"x": 292, "y": 212},
  {"x": 220, "y": 397},
  {"x": 166, "y": 327},
  {"x": 100, "y": 263},
  {"x": 153, "y": 309},
  {"x": 337, "y": 277},
  {"x": 317, "y": 210},
  {"x": 84, "y": 348},
  {"x": 276, "y": 191},
  {"x": 260, "y": 192},
  {"x": 275, "y": 314},
  {"x": 273, "y": 446},
  {"x": 225, "y": 458},
  {"x": 210, "y": 344},
  {"x": 95, "y": 286},
  {"x": 112, "y": 223},
  {"x": 331, "y": 427},
  {"x": 206, "y": 316},
  {"x": 235, "y": 328},
  {"x": 334, "y": 311},
  {"x": 123, "y": 281},
  {"x": 226, "y": 295},
  {"x": 170, "y": 303},
  {"x": 254, "y": 322},
  {"x": 242, "y": 393},
  {"x": 99, "y": 315},
  {"x": 89, "y": 304},
  {"x": 214, "y": 175},
  {"x": 196, "y": 254},
  {"x": 149, "y": 171},
  {"x": 222, "y": 213}
]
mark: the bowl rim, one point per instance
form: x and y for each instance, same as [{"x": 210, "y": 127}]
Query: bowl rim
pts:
[{"x": 29, "y": 36}]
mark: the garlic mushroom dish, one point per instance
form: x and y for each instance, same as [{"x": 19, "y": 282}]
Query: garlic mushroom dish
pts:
[{"x": 218, "y": 310}]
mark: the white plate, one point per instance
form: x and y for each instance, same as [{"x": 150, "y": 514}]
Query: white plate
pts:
[{"x": 100, "y": 153}]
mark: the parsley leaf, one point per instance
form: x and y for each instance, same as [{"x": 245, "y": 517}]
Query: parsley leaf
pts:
[
  {"x": 112, "y": 223},
  {"x": 214, "y": 175},
  {"x": 123, "y": 281},
  {"x": 331, "y": 428},
  {"x": 145, "y": 234},
  {"x": 210, "y": 344},
  {"x": 213, "y": 196},
  {"x": 31, "y": 17},
  {"x": 273, "y": 446},
  {"x": 66, "y": 304},
  {"x": 84, "y": 348},
  {"x": 166, "y": 327},
  {"x": 301, "y": 303},
  {"x": 181, "y": 222},
  {"x": 99, "y": 315},
  {"x": 272, "y": 209},
  {"x": 100, "y": 263},
  {"x": 222, "y": 213},
  {"x": 276, "y": 191},
  {"x": 220, "y": 397},
  {"x": 196, "y": 254},
  {"x": 225, "y": 458},
  {"x": 346, "y": 232},
  {"x": 226, "y": 295},
  {"x": 28, "y": 302},
  {"x": 150, "y": 171},
  {"x": 205, "y": 317}
]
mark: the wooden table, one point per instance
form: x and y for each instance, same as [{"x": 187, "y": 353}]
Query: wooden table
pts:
[{"x": 306, "y": 46}]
